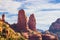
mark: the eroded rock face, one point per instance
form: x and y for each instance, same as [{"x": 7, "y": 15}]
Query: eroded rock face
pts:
[
  {"x": 55, "y": 26},
  {"x": 22, "y": 20},
  {"x": 32, "y": 22}
]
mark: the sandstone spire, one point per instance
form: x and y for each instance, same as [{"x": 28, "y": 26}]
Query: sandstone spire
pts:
[
  {"x": 3, "y": 17},
  {"x": 22, "y": 20},
  {"x": 32, "y": 22}
]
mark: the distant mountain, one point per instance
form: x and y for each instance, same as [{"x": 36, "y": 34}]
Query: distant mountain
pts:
[{"x": 55, "y": 27}]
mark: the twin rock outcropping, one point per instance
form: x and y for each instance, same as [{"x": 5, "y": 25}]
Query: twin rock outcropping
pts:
[
  {"x": 23, "y": 24},
  {"x": 22, "y": 21}
]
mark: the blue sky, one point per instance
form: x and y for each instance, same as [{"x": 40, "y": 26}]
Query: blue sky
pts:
[{"x": 46, "y": 11}]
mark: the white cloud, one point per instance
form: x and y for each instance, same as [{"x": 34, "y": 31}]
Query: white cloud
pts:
[
  {"x": 49, "y": 17},
  {"x": 9, "y": 6},
  {"x": 12, "y": 19}
]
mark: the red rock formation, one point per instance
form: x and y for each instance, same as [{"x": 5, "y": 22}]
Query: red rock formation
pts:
[
  {"x": 22, "y": 20},
  {"x": 32, "y": 22},
  {"x": 3, "y": 17}
]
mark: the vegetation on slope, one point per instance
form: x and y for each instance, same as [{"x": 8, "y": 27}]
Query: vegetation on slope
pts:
[{"x": 6, "y": 33}]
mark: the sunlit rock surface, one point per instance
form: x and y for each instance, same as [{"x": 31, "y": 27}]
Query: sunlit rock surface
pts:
[{"x": 55, "y": 27}]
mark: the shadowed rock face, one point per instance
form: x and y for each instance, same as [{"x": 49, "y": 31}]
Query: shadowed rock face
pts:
[
  {"x": 14, "y": 27},
  {"x": 58, "y": 20},
  {"x": 22, "y": 20},
  {"x": 35, "y": 37},
  {"x": 55, "y": 26},
  {"x": 49, "y": 37},
  {"x": 32, "y": 22}
]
